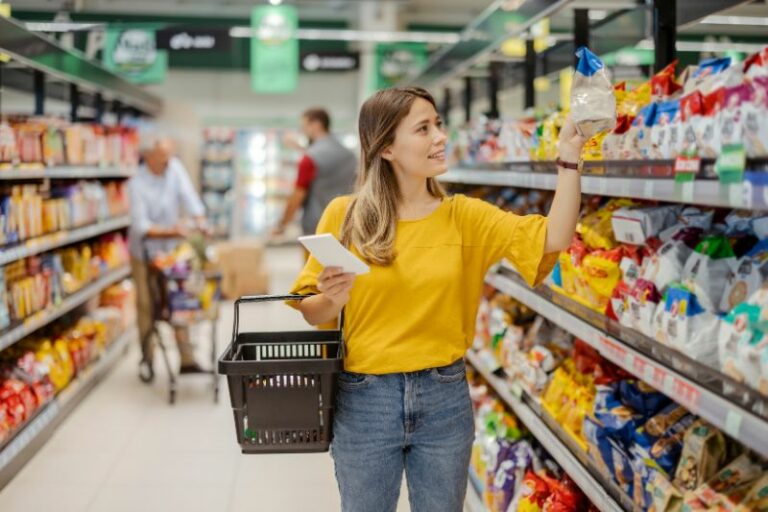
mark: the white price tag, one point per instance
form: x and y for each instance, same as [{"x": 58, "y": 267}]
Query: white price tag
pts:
[
  {"x": 669, "y": 386},
  {"x": 629, "y": 361},
  {"x": 687, "y": 191},
  {"x": 648, "y": 189},
  {"x": 733, "y": 423},
  {"x": 736, "y": 195},
  {"x": 648, "y": 374},
  {"x": 603, "y": 185}
]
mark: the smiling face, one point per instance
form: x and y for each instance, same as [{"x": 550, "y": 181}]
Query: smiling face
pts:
[{"x": 419, "y": 146}]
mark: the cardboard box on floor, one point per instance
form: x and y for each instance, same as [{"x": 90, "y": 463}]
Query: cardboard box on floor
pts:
[{"x": 241, "y": 263}]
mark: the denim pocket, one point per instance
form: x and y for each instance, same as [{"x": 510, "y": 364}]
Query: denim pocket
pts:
[
  {"x": 349, "y": 380},
  {"x": 454, "y": 372}
]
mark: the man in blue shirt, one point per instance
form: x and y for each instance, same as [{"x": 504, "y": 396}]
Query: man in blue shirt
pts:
[{"x": 160, "y": 192}]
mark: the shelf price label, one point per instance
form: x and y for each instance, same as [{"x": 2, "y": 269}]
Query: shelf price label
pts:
[
  {"x": 731, "y": 163},
  {"x": 687, "y": 167},
  {"x": 613, "y": 351}
]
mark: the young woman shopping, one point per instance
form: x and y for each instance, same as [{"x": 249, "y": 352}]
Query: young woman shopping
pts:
[{"x": 403, "y": 402}]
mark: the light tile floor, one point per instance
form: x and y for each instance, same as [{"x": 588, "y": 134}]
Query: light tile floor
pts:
[{"x": 125, "y": 449}]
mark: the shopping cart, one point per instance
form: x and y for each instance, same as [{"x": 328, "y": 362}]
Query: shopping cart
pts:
[
  {"x": 176, "y": 300},
  {"x": 282, "y": 385}
]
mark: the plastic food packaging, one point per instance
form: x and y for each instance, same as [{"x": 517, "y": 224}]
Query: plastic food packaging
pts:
[
  {"x": 756, "y": 499},
  {"x": 708, "y": 270},
  {"x": 665, "y": 496},
  {"x": 666, "y": 265},
  {"x": 593, "y": 104},
  {"x": 756, "y": 119},
  {"x": 660, "y": 440},
  {"x": 730, "y": 486},
  {"x": 688, "y": 327},
  {"x": 635, "y": 225},
  {"x": 751, "y": 272},
  {"x": 704, "y": 452},
  {"x": 732, "y": 102},
  {"x": 641, "y": 397}
]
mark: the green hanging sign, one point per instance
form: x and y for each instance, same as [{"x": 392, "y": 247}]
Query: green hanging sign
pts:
[
  {"x": 274, "y": 49},
  {"x": 131, "y": 53},
  {"x": 398, "y": 61}
]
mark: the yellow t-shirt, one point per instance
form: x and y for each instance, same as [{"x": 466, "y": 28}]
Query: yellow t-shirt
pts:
[{"x": 419, "y": 312}]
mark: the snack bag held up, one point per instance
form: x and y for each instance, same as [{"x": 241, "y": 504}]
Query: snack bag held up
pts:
[{"x": 593, "y": 104}]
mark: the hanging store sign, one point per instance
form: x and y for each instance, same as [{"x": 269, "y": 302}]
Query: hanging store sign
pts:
[
  {"x": 192, "y": 38},
  {"x": 398, "y": 61},
  {"x": 132, "y": 53},
  {"x": 274, "y": 49},
  {"x": 336, "y": 61}
]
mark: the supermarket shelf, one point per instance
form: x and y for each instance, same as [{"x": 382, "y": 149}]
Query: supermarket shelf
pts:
[
  {"x": 60, "y": 239},
  {"x": 696, "y": 394},
  {"x": 42, "y": 53},
  {"x": 648, "y": 180},
  {"x": 593, "y": 488},
  {"x": 13, "y": 334},
  {"x": 473, "y": 502},
  {"x": 31, "y": 437},
  {"x": 74, "y": 172},
  {"x": 481, "y": 37}
]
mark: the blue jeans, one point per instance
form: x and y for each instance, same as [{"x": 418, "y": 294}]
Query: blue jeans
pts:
[{"x": 420, "y": 423}]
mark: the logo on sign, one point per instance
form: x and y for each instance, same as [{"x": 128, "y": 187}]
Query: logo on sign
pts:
[
  {"x": 184, "y": 41},
  {"x": 274, "y": 29},
  {"x": 135, "y": 48}
]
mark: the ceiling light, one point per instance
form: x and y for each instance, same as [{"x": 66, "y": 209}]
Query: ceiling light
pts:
[
  {"x": 275, "y": 2},
  {"x": 374, "y": 36},
  {"x": 62, "y": 26},
  {"x": 597, "y": 14},
  {"x": 706, "y": 46},
  {"x": 717, "y": 19}
]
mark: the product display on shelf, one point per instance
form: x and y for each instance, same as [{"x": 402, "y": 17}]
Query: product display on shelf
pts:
[
  {"x": 218, "y": 178},
  {"x": 32, "y": 210},
  {"x": 657, "y": 453},
  {"x": 37, "y": 368},
  {"x": 30, "y": 143}
]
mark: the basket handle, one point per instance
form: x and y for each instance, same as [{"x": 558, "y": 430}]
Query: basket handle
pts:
[{"x": 269, "y": 298}]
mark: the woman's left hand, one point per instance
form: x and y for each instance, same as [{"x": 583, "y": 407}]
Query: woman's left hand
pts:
[{"x": 571, "y": 143}]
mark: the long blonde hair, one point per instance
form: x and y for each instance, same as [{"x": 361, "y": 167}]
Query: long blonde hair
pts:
[{"x": 371, "y": 219}]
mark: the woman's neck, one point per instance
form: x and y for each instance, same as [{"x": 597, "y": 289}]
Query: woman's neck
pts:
[{"x": 415, "y": 200}]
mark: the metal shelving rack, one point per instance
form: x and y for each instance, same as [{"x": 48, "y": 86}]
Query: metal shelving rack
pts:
[
  {"x": 42, "y": 67},
  {"x": 31, "y": 437},
  {"x": 67, "y": 172},
  {"x": 741, "y": 413},
  {"x": 60, "y": 239},
  {"x": 650, "y": 180},
  {"x": 592, "y": 486}
]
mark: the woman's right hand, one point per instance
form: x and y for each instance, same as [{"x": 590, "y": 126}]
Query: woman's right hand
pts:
[{"x": 334, "y": 284}]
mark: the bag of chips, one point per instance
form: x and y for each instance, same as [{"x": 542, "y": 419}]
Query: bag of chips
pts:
[
  {"x": 665, "y": 131},
  {"x": 755, "y": 114},
  {"x": 756, "y": 499},
  {"x": 666, "y": 265},
  {"x": 751, "y": 272},
  {"x": 732, "y": 102},
  {"x": 730, "y": 486},
  {"x": 688, "y": 327},
  {"x": 707, "y": 271},
  {"x": 665, "y": 496},
  {"x": 593, "y": 104},
  {"x": 704, "y": 452},
  {"x": 641, "y": 397},
  {"x": 660, "y": 440}
]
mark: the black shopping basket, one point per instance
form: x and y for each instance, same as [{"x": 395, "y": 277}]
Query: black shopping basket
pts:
[{"x": 282, "y": 385}]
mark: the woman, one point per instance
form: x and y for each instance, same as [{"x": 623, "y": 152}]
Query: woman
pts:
[{"x": 403, "y": 402}]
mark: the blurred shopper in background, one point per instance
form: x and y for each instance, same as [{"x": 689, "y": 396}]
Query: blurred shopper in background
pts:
[
  {"x": 326, "y": 171},
  {"x": 162, "y": 196}
]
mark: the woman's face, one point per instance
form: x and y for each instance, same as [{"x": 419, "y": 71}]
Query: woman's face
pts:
[{"x": 419, "y": 146}]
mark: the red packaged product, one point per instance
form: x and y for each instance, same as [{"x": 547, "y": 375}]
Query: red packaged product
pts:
[
  {"x": 565, "y": 496},
  {"x": 663, "y": 84}
]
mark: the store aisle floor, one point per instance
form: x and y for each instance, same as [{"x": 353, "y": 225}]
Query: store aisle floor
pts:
[{"x": 125, "y": 449}]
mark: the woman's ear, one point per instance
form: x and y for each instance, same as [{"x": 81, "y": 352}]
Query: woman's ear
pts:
[{"x": 387, "y": 154}]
